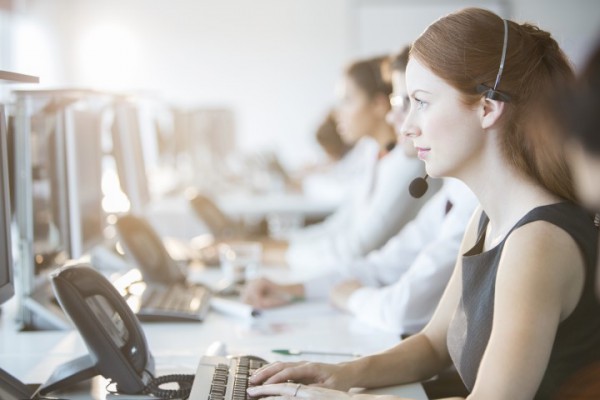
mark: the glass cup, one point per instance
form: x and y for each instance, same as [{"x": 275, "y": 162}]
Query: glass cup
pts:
[
  {"x": 240, "y": 261},
  {"x": 281, "y": 225}
]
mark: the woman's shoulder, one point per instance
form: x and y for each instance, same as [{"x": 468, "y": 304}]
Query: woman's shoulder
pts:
[
  {"x": 556, "y": 238},
  {"x": 558, "y": 212},
  {"x": 549, "y": 253},
  {"x": 566, "y": 217},
  {"x": 563, "y": 215}
]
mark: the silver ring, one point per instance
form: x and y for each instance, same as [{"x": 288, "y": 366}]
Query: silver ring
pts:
[{"x": 297, "y": 389}]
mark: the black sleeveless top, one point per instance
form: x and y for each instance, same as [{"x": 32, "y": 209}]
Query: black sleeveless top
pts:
[{"x": 577, "y": 341}]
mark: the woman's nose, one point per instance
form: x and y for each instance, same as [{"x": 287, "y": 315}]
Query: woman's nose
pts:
[
  {"x": 409, "y": 127},
  {"x": 409, "y": 133}
]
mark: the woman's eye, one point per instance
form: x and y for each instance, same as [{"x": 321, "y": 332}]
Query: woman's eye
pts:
[{"x": 420, "y": 104}]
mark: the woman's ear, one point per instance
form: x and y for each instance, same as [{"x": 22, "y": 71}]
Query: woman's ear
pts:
[{"x": 491, "y": 111}]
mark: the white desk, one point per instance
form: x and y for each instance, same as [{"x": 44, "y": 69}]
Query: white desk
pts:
[
  {"x": 32, "y": 356},
  {"x": 260, "y": 205},
  {"x": 173, "y": 216}
]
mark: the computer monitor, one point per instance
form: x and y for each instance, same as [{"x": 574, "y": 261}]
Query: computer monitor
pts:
[
  {"x": 128, "y": 153},
  {"x": 66, "y": 154},
  {"x": 10, "y": 387},
  {"x": 208, "y": 137},
  {"x": 7, "y": 289},
  {"x": 58, "y": 151},
  {"x": 83, "y": 140}
]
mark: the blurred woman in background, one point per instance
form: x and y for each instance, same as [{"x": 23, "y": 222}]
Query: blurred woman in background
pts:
[{"x": 381, "y": 203}]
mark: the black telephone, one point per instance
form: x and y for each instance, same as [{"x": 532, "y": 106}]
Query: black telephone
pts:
[
  {"x": 113, "y": 335},
  {"x": 146, "y": 248},
  {"x": 117, "y": 346}
]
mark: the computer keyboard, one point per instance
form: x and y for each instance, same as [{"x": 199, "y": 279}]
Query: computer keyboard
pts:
[
  {"x": 174, "y": 303},
  {"x": 223, "y": 378}
]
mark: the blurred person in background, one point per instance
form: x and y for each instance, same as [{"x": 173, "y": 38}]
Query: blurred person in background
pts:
[
  {"x": 578, "y": 112},
  {"x": 398, "y": 287},
  {"x": 380, "y": 205},
  {"x": 337, "y": 171}
]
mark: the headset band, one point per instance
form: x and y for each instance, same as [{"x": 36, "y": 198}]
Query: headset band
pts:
[{"x": 494, "y": 93}]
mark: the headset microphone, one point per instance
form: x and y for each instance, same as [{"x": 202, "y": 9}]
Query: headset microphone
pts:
[
  {"x": 418, "y": 187},
  {"x": 390, "y": 146}
]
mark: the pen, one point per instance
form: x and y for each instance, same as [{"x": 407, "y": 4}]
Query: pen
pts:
[
  {"x": 295, "y": 352},
  {"x": 232, "y": 307}
]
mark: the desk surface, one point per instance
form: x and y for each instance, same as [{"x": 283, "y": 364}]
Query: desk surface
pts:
[
  {"x": 241, "y": 204},
  {"x": 173, "y": 216},
  {"x": 177, "y": 347}
]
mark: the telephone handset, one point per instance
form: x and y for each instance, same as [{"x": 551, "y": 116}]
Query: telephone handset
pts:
[
  {"x": 114, "y": 337},
  {"x": 146, "y": 248},
  {"x": 117, "y": 346}
]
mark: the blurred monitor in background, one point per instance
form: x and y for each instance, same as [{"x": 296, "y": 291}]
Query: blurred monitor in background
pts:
[
  {"x": 10, "y": 387},
  {"x": 57, "y": 177},
  {"x": 84, "y": 164},
  {"x": 205, "y": 141},
  {"x": 128, "y": 153}
]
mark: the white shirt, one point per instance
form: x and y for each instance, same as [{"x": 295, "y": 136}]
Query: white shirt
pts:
[
  {"x": 405, "y": 280},
  {"x": 341, "y": 178},
  {"x": 366, "y": 221}
]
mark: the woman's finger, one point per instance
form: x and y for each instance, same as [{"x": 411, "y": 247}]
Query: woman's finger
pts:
[
  {"x": 297, "y": 372},
  {"x": 293, "y": 390},
  {"x": 265, "y": 372},
  {"x": 289, "y": 389}
]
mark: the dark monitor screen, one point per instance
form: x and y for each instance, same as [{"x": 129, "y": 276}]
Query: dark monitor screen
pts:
[
  {"x": 10, "y": 146},
  {"x": 10, "y": 387},
  {"x": 6, "y": 262}
]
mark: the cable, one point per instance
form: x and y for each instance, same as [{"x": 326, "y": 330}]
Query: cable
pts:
[{"x": 184, "y": 381}]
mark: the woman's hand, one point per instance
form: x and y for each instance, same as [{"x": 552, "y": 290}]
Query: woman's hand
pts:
[
  {"x": 340, "y": 293},
  {"x": 333, "y": 376},
  {"x": 292, "y": 390},
  {"x": 296, "y": 390},
  {"x": 262, "y": 293}
]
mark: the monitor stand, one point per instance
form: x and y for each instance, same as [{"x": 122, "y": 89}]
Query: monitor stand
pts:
[
  {"x": 43, "y": 312},
  {"x": 13, "y": 389},
  {"x": 41, "y": 309}
]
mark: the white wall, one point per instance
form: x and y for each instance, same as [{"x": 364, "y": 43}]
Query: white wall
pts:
[
  {"x": 574, "y": 24},
  {"x": 384, "y": 26},
  {"x": 275, "y": 61}
]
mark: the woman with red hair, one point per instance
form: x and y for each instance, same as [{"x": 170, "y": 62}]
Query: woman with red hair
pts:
[{"x": 519, "y": 314}]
